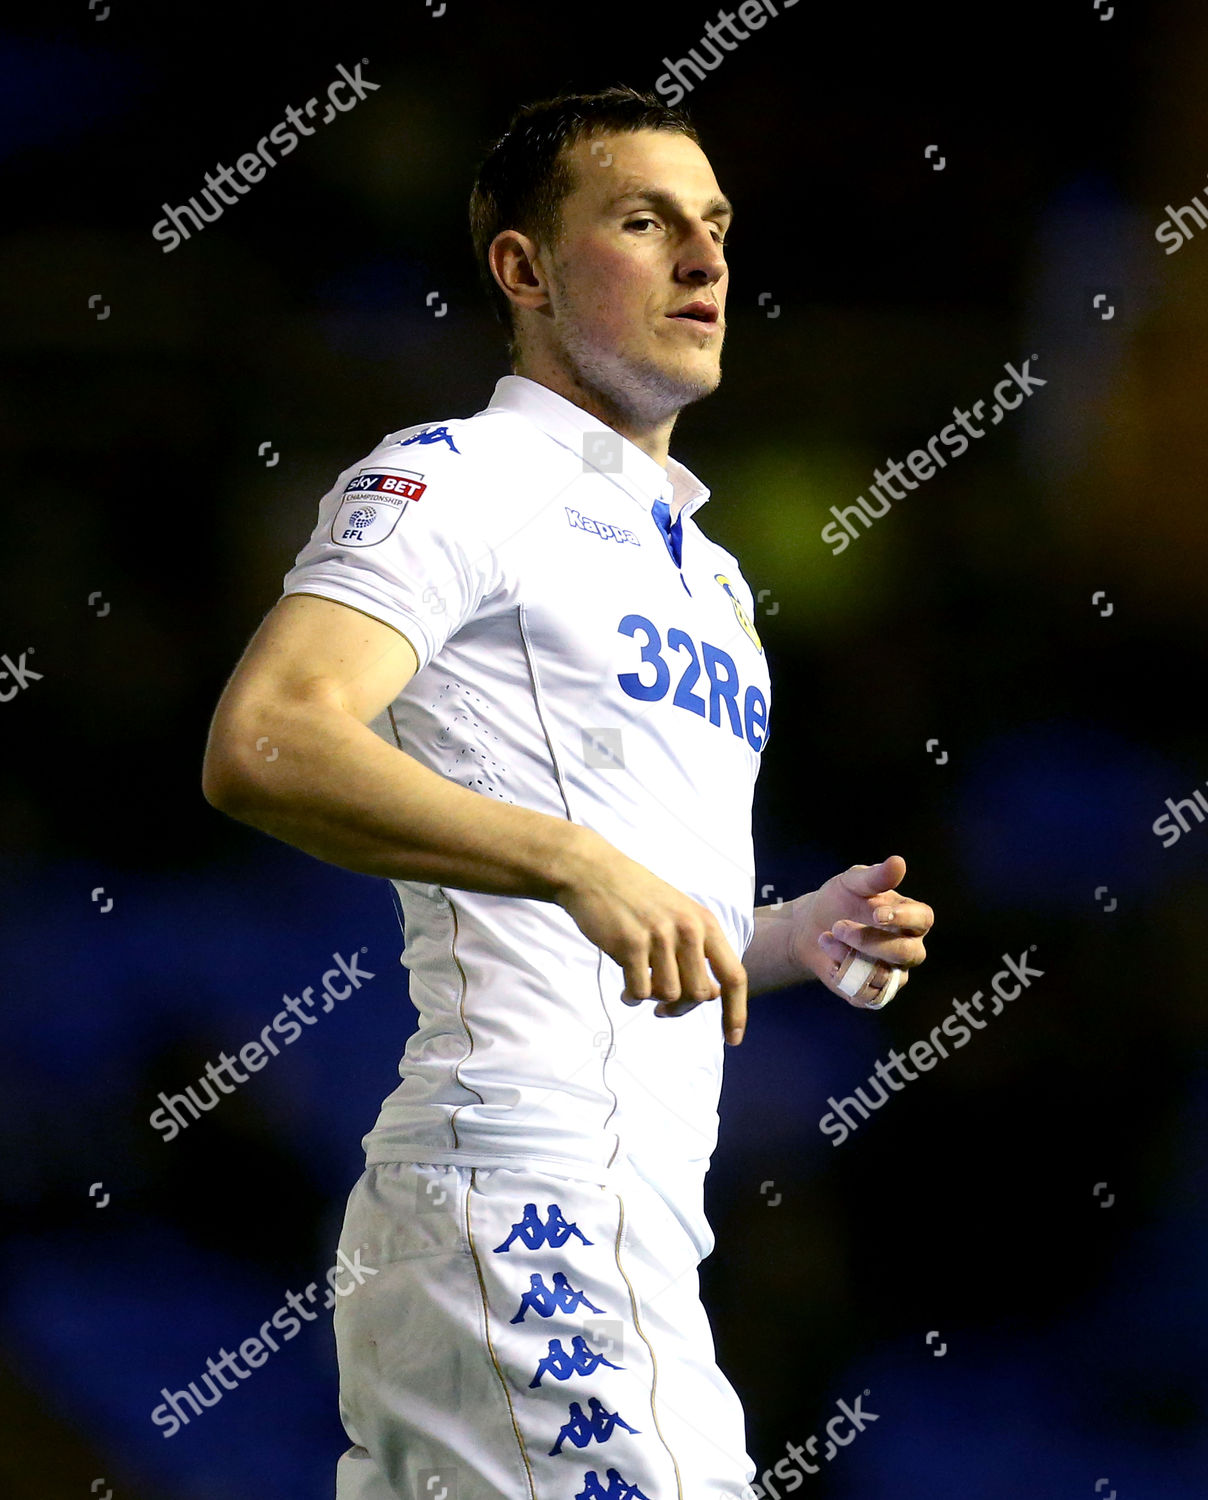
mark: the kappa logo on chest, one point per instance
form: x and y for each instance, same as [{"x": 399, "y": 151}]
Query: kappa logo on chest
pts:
[{"x": 606, "y": 530}]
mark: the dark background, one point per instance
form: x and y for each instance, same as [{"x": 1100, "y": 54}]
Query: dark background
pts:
[{"x": 1071, "y": 1322}]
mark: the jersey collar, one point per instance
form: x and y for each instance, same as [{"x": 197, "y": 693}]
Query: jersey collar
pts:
[{"x": 644, "y": 479}]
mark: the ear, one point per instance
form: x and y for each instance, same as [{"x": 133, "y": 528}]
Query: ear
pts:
[{"x": 514, "y": 260}]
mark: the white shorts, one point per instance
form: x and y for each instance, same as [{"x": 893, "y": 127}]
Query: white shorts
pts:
[{"x": 528, "y": 1337}]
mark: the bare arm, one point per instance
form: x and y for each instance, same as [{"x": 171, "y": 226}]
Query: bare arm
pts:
[
  {"x": 770, "y": 960},
  {"x": 311, "y": 680}
]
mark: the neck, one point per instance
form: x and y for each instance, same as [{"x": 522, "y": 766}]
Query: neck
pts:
[{"x": 653, "y": 437}]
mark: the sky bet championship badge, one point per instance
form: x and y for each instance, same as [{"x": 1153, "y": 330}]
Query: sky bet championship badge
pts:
[{"x": 371, "y": 504}]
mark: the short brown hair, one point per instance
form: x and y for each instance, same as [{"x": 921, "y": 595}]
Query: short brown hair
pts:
[{"x": 524, "y": 177}]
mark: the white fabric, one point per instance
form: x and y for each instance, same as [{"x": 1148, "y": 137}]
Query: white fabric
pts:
[
  {"x": 439, "y": 1349},
  {"x": 567, "y": 665}
]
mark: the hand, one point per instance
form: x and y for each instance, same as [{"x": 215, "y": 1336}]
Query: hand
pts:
[
  {"x": 861, "y": 911},
  {"x": 669, "y": 946}
]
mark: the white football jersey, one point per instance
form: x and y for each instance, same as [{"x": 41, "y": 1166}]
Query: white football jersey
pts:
[{"x": 577, "y": 658}]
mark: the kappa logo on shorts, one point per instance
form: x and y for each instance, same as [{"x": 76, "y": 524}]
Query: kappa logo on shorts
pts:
[
  {"x": 561, "y": 1365},
  {"x": 563, "y": 1298},
  {"x": 533, "y": 1234},
  {"x": 582, "y": 1429},
  {"x": 619, "y": 1488},
  {"x": 371, "y": 504}
]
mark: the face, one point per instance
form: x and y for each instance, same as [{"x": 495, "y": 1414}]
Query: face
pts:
[{"x": 642, "y": 240}]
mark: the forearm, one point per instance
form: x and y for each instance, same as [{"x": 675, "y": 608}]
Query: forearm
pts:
[
  {"x": 338, "y": 791},
  {"x": 769, "y": 959}
]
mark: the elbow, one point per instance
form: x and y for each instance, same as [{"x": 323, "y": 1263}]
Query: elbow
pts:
[
  {"x": 241, "y": 771},
  {"x": 227, "y": 783},
  {"x": 218, "y": 786}
]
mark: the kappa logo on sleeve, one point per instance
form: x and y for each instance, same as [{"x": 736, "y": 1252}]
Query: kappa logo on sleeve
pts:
[
  {"x": 371, "y": 504},
  {"x": 430, "y": 435}
]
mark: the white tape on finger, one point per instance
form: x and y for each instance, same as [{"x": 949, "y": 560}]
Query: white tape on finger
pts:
[
  {"x": 856, "y": 976},
  {"x": 890, "y": 990}
]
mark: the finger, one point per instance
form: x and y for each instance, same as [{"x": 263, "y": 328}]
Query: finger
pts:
[
  {"x": 872, "y": 880},
  {"x": 906, "y": 952},
  {"x": 636, "y": 968},
  {"x": 696, "y": 981},
  {"x": 899, "y": 913},
  {"x": 875, "y": 986},
  {"x": 733, "y": 980},
  {"x": 676, "y": 1007},
  {"x": 664, "y": 979},
  {"x": 883, "y": 984}
]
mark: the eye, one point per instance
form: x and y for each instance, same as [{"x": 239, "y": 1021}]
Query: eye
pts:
[{"x": 645, "y": 219}]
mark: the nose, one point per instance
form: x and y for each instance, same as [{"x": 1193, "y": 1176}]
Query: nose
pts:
[{"x": 702, "y": 257}]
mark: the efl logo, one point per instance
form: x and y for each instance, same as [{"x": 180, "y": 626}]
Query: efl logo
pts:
[{"x": 406, "y": 483}]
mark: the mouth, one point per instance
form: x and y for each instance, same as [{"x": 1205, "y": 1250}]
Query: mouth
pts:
[{"x": 699, "y": 314}]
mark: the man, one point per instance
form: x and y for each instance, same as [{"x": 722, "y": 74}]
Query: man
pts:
[{"x": 512, "y": 676}]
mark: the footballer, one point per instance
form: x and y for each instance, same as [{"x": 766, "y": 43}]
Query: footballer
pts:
[{"x": 511, "y": 675}]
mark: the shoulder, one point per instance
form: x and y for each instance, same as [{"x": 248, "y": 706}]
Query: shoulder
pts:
[
  {"x": 494, "y": 461},
  {"x": 446, "y": 454},
  {"x": 489, "y": 437}
]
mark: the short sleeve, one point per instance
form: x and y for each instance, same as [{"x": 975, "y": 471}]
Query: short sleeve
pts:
[{"x": 401, "y": 536}]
